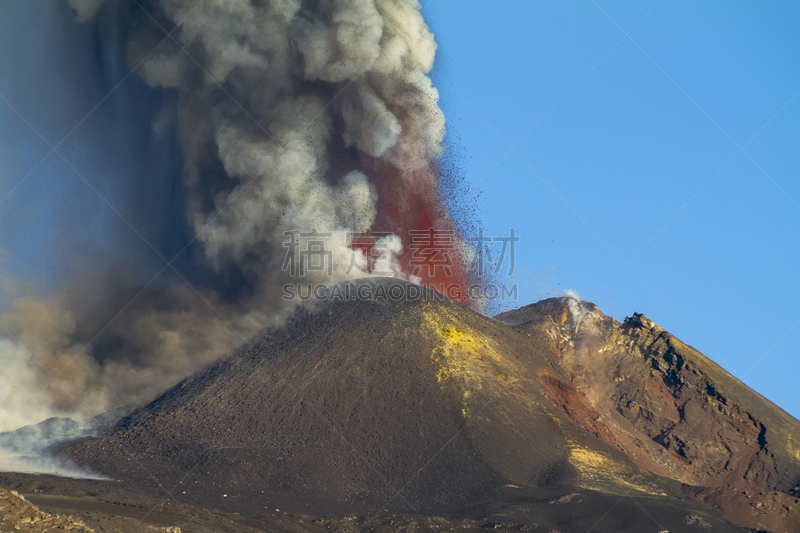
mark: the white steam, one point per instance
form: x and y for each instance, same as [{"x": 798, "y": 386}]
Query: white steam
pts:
[
  {"x": 578, "y": 309},
  {"x": 361, "y": 66}
]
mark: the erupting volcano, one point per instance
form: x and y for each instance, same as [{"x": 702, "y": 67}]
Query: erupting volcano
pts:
[{"x": 291, "y": 119}]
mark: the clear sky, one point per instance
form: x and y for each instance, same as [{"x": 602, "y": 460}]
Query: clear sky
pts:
[
  {"x": 646, "y": 153},
  {"x": 655, "y": 172}
]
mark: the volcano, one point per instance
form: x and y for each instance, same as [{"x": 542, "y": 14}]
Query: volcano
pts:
[{"x": 553, "y": 416}]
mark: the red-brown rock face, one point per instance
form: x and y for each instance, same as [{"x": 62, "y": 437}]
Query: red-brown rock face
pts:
[{"x": 671, "y": 410}]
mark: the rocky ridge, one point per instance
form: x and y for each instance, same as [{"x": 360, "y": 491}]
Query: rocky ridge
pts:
[{"x": 671, "y": 410}]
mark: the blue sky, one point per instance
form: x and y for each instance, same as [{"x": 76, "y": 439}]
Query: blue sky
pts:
[{"x": 653, "y": 173}]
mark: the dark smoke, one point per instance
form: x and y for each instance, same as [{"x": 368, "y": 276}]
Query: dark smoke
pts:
[{"x": 288, "y": 115}]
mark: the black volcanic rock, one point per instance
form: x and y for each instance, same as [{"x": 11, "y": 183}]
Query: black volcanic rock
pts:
[{"x": 366, "y": 407}]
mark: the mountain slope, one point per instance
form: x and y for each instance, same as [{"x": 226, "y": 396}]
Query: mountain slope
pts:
[
  {"x": 673, "y": 411},
  {"x": 393, "y": 406}
]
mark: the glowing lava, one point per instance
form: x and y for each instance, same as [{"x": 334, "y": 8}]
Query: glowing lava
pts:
[{"x": 410, "y": 206}]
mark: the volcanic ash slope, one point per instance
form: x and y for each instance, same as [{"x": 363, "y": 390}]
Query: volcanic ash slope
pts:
[{"x": 399, "y": 406}]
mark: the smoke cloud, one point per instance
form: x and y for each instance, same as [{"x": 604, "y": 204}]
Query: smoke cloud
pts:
[{"x": 289, "y": 115}]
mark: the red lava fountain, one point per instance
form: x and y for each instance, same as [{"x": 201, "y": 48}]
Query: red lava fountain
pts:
[{"x": 410, "y": 207}]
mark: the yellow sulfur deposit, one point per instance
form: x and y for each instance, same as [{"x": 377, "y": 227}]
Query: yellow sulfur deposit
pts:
[
  {"x": 599, "y": 472},
  {"x": 465, "y": 359}
]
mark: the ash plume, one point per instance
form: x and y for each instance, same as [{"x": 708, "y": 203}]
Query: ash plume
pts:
[{"x": 291, "y": 115}]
